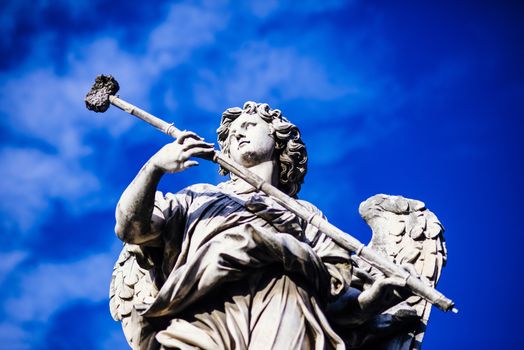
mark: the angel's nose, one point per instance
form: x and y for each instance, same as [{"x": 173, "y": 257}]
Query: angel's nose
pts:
[{"x": 240, "y": 135}]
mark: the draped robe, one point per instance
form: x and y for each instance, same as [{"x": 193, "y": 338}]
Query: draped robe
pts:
[{"x": 238, "y": 271}]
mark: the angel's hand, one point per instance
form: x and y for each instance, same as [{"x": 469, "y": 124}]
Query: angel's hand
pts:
[
  {"x": 174, "y": 157},
  {"x": 387, "y": 292}
]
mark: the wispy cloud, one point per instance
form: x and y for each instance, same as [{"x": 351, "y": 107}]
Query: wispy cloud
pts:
[
  {"x": 10, "y": 260},
  {"x": 16, "y": 336},
  {"x": 48, "y": 287},
  {"x": 31, "y": 179},
  {"x": 186, "y": 28},
  {"x": 260, "y": 72}
]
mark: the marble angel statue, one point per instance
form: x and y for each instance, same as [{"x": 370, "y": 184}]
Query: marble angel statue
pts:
[{"x": 227, "y": 267}]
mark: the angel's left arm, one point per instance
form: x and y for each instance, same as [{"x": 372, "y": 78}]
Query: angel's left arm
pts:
[{"x": 349, "y": 305}]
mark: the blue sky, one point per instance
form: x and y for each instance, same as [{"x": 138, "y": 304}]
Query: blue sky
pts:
[{"x": 413, "y": 98}]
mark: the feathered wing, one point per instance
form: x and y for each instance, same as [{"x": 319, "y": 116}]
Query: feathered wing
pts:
[
  {"x": 407, "y": 232},
  {"x": 132, "y": 284}
]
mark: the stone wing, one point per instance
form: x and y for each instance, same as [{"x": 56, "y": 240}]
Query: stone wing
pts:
[
  {"x": 407, "y": 232},
  {"x": 132, "y": 284}
]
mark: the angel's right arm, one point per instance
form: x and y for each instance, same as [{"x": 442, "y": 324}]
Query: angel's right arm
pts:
[
  {"x": 135, "y": 219},
  {"x": 135, "y": 222}
]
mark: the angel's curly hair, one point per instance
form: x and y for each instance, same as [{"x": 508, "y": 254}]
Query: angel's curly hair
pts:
[{"x": 290, "y": 149}]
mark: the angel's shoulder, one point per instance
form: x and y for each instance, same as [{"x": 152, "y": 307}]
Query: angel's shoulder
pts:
[{"x": 191, "y": 191}]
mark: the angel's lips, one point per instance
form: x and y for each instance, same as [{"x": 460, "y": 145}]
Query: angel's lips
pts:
[{"x": 242, "y": 143}]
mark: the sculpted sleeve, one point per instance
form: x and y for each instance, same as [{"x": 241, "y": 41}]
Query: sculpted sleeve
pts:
[
  {"x": 169, "y": 210},
  {"x": 335, "y": 259}
]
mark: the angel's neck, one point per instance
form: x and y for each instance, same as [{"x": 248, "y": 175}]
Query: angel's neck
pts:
[{"x": 267, "y": 170}]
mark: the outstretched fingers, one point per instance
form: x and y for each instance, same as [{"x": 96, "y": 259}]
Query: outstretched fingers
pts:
[
  {"x": 190, "y": 163},
  {"x": 198, "y": 148},
  {"x": 197, "y": 144},
  {"x": 175, "y": 156},
  {"x": 185, "y": 135}
]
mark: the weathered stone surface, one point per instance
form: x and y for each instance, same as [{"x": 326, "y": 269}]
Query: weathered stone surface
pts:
[{"x": 228, "y": 267}]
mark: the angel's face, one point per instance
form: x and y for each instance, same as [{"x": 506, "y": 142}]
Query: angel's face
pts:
[{"x": 250, "y": 140}]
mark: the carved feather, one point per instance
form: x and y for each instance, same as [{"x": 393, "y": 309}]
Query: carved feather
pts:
[
  {"x": 131, "y": 284},
  {"x": 406, "y": 231}
]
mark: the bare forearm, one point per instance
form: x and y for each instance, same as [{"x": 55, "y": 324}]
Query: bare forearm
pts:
[{"x": 135, "y": 207}]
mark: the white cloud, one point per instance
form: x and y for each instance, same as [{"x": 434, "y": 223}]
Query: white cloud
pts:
[
  {"x": 42, "y": 291},
  {"x": 186, "y": 28},
  {"x": 259, "y": 72},
  {"x": 263, "y": 9},
  {"x": 9, "y": 261},
  {"x": 31, "y": 178},
  {"x": 15, "y": 336},
  {"x": 49, "y": 287}
]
